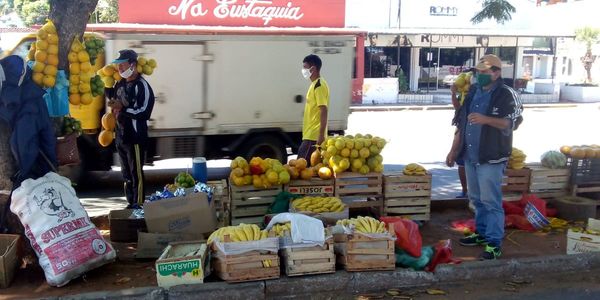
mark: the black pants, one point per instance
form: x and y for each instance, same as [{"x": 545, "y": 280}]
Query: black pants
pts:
[
  {"x": 306, "y": 149},
  {"x": 132, "y": 163}
]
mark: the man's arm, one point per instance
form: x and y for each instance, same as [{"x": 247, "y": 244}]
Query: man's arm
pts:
[
  {"x": 323, "y": 126},
  {"x": 455, "y": 102},
  {"x": 143, "y": 97},
  {"x": 452, "y": 155}
]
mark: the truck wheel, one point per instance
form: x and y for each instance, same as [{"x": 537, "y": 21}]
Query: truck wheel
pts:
[{"x": 265, "y": 146}]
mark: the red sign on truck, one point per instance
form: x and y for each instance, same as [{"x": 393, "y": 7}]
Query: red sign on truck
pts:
[{"x": 253, "y": 13}]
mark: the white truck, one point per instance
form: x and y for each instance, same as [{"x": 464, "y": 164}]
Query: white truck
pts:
[{"x": 223, "y": 92}]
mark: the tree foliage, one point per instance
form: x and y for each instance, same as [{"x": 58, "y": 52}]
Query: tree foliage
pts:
[
  {"x": 499, "y": 10},
  {"x": 588, "y": 35},
  {"x": 107, "y": 11}
]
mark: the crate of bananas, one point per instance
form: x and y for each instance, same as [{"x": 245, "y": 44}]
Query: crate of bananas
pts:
[{"x": 327, "y": 209}]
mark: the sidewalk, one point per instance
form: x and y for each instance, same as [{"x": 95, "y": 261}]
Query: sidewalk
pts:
[{"x": 524, "y": 254}]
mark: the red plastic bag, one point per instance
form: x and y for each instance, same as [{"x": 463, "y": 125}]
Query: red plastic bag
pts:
[
  {"x": 408, "y": 237},
  {"x": 518, "y": 221},
  {"x": 464, "y": 226},
  {"x": 442, "y": 255}
]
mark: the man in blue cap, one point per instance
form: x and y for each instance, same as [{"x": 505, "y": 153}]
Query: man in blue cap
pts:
[{"x": 132, "y": 100}]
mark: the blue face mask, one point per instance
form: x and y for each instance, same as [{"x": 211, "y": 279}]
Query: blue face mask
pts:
[{"x": 484, "y": 79}]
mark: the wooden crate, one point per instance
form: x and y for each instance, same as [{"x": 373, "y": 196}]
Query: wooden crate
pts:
[
  {"x": 358, "y": 252},
  {"x": 516, "y": 181},
  {"x": 309, "y": 260},
  {"x": 549, "y": 183},
  {"x": 360, "y": 191},
  {"x": 250, "y": 205},
  {"x": 246, "y": 267},
  {"x": 312, "y": 187},
  {"x": 407, "y": 196},
  {"x": 222, "y": 201}
]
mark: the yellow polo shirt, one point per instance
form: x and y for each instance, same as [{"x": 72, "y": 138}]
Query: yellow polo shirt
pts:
[{"x": 317, "y": 95}]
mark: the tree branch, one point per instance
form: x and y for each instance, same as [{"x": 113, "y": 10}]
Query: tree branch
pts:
[{"x": 500, "y": 10}]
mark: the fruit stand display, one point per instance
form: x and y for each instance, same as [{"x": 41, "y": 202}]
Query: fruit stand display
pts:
[
  {"x": 584, "y": 164},
  {"x": 254, "y": 186},
  {"x": 408, "y": 194},
  {"x": 244, "y": 253},
  {"x": 327, "y": 209},
  {"x": 366, "y": 245},
  {"x": 516, "y": 177},
  {"x": 316, "y": 180}
]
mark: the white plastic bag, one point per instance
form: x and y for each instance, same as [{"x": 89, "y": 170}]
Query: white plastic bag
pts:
[{"x": 65, "y": 240}]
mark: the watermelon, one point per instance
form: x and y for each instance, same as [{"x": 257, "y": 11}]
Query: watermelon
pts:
[{"x": 554, "y": 160}]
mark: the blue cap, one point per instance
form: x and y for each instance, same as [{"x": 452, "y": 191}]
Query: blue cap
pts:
[{"x": 126, "y": 55}]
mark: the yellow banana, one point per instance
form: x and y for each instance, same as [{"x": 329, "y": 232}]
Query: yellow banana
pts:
[
  {"x": 239, "y": 233},
  {"x": 263, "y": 234}
]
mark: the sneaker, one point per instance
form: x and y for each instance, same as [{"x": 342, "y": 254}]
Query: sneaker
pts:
[
  {"x": 472, "y": 240},
  {"x": 490, "y": 252}
]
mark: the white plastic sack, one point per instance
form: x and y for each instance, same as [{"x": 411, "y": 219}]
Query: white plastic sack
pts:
[
  {"x": 304, "y": 229},
  {"x": 65, "y": 240},
  {"x": 236, "y": 248}
]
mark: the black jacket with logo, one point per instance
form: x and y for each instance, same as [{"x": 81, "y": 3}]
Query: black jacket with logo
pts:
[
  {"x": 495, "y": 144},
  {"x": 138, "y": 101}
]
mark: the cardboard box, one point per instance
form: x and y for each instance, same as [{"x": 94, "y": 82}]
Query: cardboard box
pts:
[
  {"x": 152, "y": 245},
  {"x": 189, "y": 214},
  {"x": 8, "y": 258},
  {"x": 123, "y": 228},
  {"x": 581, "y": 242},
  {"x": 183, "y": 263}
]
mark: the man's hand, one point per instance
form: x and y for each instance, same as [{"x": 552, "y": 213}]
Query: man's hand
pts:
[
  {"x": 115, "y": 104},
  {"x": 453, "y": 89},
  {"x": 451, "y": 159},
  {"x": 477, "y": 118},
  {"x": 320, "y": 140}
]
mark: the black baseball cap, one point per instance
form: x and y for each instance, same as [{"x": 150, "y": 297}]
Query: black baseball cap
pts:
[{"x": 126, "y": 55}]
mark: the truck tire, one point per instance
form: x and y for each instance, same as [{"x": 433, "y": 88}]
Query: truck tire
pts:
[{"x": 264, "y": 146}]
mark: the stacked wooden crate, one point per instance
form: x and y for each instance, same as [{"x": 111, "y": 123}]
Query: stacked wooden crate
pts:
[{"x": 407, "y": 196}]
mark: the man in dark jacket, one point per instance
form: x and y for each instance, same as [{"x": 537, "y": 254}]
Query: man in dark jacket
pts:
[
  {"x": 132, "y": 100},
  {"x": 485, "y": 122}
]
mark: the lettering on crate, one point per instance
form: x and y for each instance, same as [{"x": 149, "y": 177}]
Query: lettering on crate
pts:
[{"x": 179, "y": 224}]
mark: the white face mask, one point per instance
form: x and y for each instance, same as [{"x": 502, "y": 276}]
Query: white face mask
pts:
[
  {"x": 306, "y": 73},
  {"x": 127, "y": 73}
]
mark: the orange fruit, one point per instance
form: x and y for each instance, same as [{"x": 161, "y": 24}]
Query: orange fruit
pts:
[
  {"x": 105, "y": 138},
  {"x": 41, "y": 55},
  {"x": 109, "y": 122},
  {"x": 49, "y": 80},
  {"x": 52, "y": 60},
  {"x": 75, "y": 99}
]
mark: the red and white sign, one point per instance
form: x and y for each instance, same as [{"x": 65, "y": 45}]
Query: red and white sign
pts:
[{"x": 254, "y": 13}]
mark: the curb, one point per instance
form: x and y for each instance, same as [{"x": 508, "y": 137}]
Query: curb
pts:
[
  {"x": 365, "y": 108},
  {"x": 345, "y": 283}
]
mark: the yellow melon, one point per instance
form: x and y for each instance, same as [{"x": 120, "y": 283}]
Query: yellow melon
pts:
[
  {"x": 109, "y": 122},
  {"x": 105, "y": 138}
]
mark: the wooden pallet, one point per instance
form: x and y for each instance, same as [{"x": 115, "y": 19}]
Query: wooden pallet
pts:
[
  {"x": 357, "y": 252},
  {"x": 516, "y": 181},
  {"x": 309, "y": 260},
  {"x": 407, "y": 196},
  {"x": 222, "y": 201},
  {"x": 360, "y": 191},
  {"x": 312, "y": 187},
  {"x": 549, "y": 183},
  {"x": 246, "y": 267},
  {"x": 250, "y": 205}
]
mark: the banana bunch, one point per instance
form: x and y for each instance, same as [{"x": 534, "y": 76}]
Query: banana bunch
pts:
[
  {"x": 281, "y": 230},
  {"x": 240, "y": 233},
  {"x": 414, "y": 170},
  {"x": 267, "y": 263},
  {"x": 586, "y": 231},
  {"x": 364, "y": 224},
  {"x": 319, "y": 204},
  {"x": 517, "y": 159}
]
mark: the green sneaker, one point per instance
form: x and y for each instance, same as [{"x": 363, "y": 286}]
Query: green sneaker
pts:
[
  {"x": 491, "y": 252},
  {"x": 472, "y": 240}
]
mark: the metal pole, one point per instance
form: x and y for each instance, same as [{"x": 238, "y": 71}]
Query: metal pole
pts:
[
  {"x": 515, "y": 62},
  {"x": 429, "y": 65},
  {"x": 437, "y": 71}
]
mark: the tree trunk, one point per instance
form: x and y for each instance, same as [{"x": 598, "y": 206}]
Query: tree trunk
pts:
[{"x": 70, "y": 18}]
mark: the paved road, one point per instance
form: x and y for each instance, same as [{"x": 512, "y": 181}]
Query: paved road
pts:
[{"x": 421, "y": 135}]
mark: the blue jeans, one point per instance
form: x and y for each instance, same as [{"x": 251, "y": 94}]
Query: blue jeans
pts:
[{"x": 484, "y": 182}]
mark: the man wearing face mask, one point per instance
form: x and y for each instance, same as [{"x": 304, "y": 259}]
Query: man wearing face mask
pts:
[
  {"x": 314, "y": 126},
  {"x": 132, "y": 100},
  {"x": 485, "y": 122}
]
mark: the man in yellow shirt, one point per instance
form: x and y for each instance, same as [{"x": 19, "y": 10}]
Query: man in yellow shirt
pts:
[{"x": 314, "y": 126}]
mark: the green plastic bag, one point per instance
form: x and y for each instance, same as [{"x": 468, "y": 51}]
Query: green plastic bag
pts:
[
  {"x": 403, "y": 259},
  {"x": 282, "y": 202}
]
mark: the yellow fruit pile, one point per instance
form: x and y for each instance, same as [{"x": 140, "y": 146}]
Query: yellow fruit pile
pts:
[
  {"x": 581, "y": 152},
  {"x": 146, "y": 66},
  {"x": 80, "y": 75},
  {"x": 356, "y": 153},
  {"x": 107, "y": 135},
  {"x": 319, "y": 204},
  {"x": 364, "y": 224},
  {"x": 45, "y": 53},
  {"x": 463, "y": 84},
  {"x": 517, "y": 159},
  {"x": 298, "y": 168},
  {"x": 414, "y": 170},
  {"x": 240, "y": 233},
  {"x": 281, "y": 230},
  {"x": 109, "y": 75},
  {"x": 261, "y": 173}
]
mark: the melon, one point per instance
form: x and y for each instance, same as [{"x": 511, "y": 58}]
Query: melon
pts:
[
  {"x": 566, "y": 150},
  {"x": 554, "y": 160},
  {"x": 577, "y": 152}
]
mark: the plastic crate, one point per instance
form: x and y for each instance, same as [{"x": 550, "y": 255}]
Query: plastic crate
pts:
[{"x": 584, "y": 171}]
